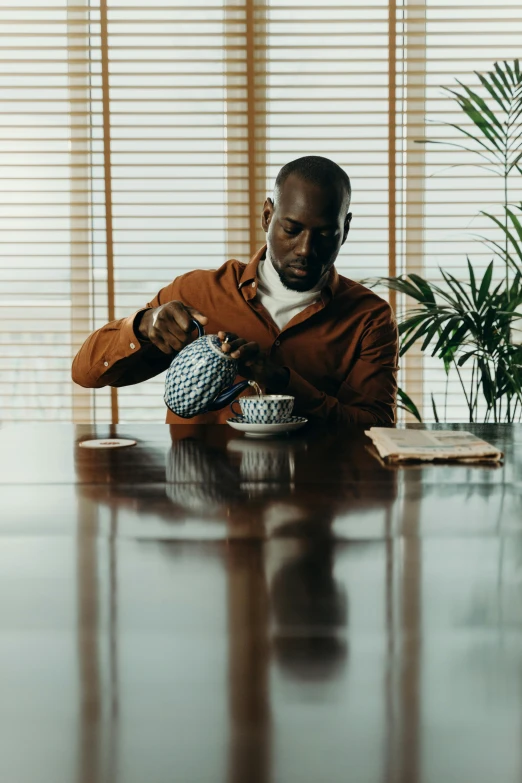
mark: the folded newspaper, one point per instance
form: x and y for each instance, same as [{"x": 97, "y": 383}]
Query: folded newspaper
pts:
[{"x": 401, "y": 445}]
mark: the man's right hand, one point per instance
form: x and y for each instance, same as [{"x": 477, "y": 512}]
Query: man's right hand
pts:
[{"x": 169, "y": 327}]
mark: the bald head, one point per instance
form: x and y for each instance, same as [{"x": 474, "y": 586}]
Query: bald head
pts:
[
  {"x": 308, "y": 221},
  {"x": 319, "y": 171}
]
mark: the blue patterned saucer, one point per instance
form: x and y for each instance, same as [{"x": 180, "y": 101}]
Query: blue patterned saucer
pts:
[{"x": 267, "y": 430}]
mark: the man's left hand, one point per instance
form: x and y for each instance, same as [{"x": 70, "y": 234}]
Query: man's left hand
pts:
[{"x": 254, "y": 364}]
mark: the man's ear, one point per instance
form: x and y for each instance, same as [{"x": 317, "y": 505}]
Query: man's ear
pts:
[
  {"x": 266, "y": 215},
  {"x": 347, "y": 223}
]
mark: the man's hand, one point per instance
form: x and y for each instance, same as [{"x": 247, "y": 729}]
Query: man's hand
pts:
[
  {"x": 253, "y": 363},
  {"x": 169, "y": 327}
]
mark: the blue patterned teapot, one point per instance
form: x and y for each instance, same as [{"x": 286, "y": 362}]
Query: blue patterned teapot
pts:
[{"x": 199, "y": 378}]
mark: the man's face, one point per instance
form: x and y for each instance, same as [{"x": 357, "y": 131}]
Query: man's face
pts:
[{"x": 305, "y": 231}]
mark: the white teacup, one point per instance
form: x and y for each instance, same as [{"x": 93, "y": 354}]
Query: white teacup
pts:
[{"x": 266, "y": 409}]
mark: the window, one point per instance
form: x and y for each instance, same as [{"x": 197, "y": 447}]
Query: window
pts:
[{"x": 139, "y": 142}]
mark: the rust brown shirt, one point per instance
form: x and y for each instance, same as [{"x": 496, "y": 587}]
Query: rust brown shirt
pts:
[{"x": 341, "y": 352}]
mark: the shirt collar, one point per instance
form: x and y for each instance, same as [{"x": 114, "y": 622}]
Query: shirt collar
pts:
[
  {"x": 249, "y": 275},
  {"x": 250, "y": 271}
]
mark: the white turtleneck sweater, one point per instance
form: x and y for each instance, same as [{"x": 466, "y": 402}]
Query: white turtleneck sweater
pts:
[{"x": 282, "y": 303}]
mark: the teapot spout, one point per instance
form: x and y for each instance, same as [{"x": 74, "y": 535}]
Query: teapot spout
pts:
[{"x": 226, "y": 397}]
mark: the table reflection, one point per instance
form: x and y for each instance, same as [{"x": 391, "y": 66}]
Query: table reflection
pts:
[
  {"x": 282, "y": 610},
  {"x": 287, "y": 611}
]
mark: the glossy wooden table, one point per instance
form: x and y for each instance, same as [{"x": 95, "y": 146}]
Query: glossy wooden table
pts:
[{"x": 204, "y": 608}]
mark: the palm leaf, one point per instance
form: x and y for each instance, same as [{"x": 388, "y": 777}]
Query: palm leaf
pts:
[
  {"x": 458, "y": 290},
  {"x": 516, "y": 290},
  {"x": 500, "y": 250},
  {"x": 473, "y": 283},
  {"x": 516, "y": 222},
  {"x": 413, "y": 339},
  {"x": 488, "y": 388},
  {"x": 478, "y": 113},
  {"x": 494, "y": 294},
  {"x": 452, "y": 303},
  {"x": 432, "y": 331},
  {"x": 443, "y": 338},
  {"x": 515, "y": 115},
  {"x": 464, "y": 358},
  {"x": 481, "y": 106},
  {"x": 485, "y": 284},
  {"x": 507, "y": 232},
  {"x": 502, "y": 75},
  {"x": 514, "y": 164},
  {"x": 463, "y": 147},
  {"x": 408, "y": 404},
  {"x": 513, "y": 139},
  {"x": 508, "y": 69},
  {"x": 412, "y": 320},
  {"x": 423, "y": 286},
  {"x": 489, "y": 320},
  {"x": 452, "y": 342},
  {"x": 406, "y": 332},
  {"x": 494, "y": 93},
  {"x": 434, "y": 407},
  {"x": 503, "y": 85},
  {"x": 401, "y": 285}
]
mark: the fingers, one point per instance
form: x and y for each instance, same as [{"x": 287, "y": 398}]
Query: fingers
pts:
[
  {"x": 156, "y": 337},
  {"x": 247, "y": 353},
  {"x": 172, "y": 326},
  {"x": 178, "y": 316},
  {"x": 228, "y": 336},
  {"x": 168, "y": 335},
  {"x": 232, "y": 346},
  {"x": 198, "y": 316},
  {"x": 239, "y": 348},
  {"x": 174, "y": 336},
  {"x": 160, "y": 343},
  {"x": 229, "y": 339}
]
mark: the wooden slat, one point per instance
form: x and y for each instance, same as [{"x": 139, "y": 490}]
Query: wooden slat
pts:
[
  {"x": 392, "y": 146},
  {"x": 108, "y": 181}
]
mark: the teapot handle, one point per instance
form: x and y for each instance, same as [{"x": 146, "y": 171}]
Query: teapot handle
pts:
[{"x": 199, "y": 327}]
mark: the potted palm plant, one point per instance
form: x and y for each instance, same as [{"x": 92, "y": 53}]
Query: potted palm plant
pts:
[{"x": 472, "y": 323}]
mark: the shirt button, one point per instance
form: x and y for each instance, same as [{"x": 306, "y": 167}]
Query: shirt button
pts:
[
  {"x": 132, "y": 346},
  {"x": 253, "y": 285},
  {"x": 277, "y": 342},
  {"x": 105, "y": 364}
]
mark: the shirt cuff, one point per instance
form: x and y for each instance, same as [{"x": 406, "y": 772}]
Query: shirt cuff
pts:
[
  {"x": 136, "y": 324},
  {"x": 129, "y": 342}
]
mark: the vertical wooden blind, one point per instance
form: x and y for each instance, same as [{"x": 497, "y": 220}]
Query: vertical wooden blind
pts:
[{"x": 139, "y": 141}]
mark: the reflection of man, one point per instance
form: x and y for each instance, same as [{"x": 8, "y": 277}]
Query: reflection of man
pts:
[
  {"x": 310, "y": 607},
  {"x": 302, "y": 329}
]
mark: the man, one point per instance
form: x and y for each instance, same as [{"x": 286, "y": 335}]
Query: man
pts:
[{"x": 295, "y": 325}]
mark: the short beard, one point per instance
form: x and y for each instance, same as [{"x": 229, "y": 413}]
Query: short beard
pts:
[
  {"x": 270, "y": 257},
  {"x": 293, "y": 287}
]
